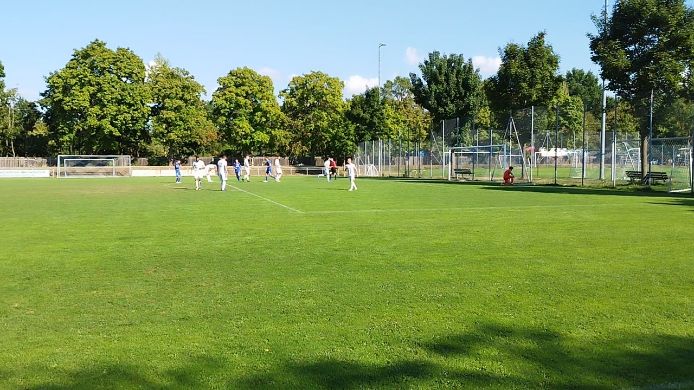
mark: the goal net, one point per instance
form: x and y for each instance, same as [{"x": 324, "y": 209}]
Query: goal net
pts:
[{"x": 93, "y": 166}]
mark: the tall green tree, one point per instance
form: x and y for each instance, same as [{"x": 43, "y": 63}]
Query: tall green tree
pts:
[
  {"x": 586, "y": 86},
  {"x": 449, "y": 86},
  {"x": 6, "y": 126},
  {"x": 570, "y": 111},
  {"x": 316, "y": 110},
  {"x": 675, "y": 119},
  {"x": 528, "y": 76},
  {"x": 645, "y": 47},
  {"x": 2, "y": 77},
  {"x": 621, "y": 117},
  {"x": 408, "y": 120},
  {"x": 368, "y": 114},
  {"x": 248, "y": 115},
  {"x": 10, "y": 127},
  {"x": 179, "y": 122},
  {"x": 98, "y": 103},
  {"x": 32, "y": 138}
]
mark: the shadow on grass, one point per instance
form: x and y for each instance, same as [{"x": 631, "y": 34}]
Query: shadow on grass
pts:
[
  {"x": 488, "y": 355},
  {"x": 195, "y": 374},
  {"x": 341, "y": 374},
  {"x": 559, "y": 362},
  {"x": 546, "y": 188},
  {"x": 687, "y": 202},
  {"x": 493, "y": 355}
]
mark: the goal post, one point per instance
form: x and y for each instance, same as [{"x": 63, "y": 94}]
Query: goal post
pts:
[{"x": 91, "y": 166}]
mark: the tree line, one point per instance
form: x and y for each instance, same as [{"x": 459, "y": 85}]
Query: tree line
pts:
[{"x": 106, "y": 101}]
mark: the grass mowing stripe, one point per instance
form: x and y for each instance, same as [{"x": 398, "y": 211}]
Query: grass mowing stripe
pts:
[{"x": 134, "y": 283}]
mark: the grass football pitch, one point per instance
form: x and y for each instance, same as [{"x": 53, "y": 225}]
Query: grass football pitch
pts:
[{"x": 143, "y": 283}]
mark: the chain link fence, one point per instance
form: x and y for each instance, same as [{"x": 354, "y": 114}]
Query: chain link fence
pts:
[{"x": 541, "y": 144}]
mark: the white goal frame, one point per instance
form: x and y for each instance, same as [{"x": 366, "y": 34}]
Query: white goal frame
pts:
[{"x": 120, "y": 165}]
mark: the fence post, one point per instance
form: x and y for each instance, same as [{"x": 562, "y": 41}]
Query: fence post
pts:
[
  {"x": 583, "y": 149},
  {"x": 556, "y": 150},
  {"x": 532, "y": 143}
]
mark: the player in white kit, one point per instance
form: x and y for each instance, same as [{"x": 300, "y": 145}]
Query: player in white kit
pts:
[
  {"x": 326, "y": 168},
  {"x": 247, "y": 168},
  {"x": 278, "y": 169},
  {"x": 198, "y": 172},
  {"x": 208, "y": 171},
  {"x": 222, "y": 171},
  {"x": 352, "y": 172}
]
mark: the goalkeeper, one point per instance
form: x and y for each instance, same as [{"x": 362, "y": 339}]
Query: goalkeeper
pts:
[{"x": 508, "y": 176}]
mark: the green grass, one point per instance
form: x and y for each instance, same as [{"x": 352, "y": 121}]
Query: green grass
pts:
[{"x": 141, "y": 283}]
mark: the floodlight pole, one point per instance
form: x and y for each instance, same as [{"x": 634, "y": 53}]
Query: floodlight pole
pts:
[
  {"x": 691, "y": 162},
  {"x": 556, "y": 138},
  {"x": 613, "y": 171},
  {"x": 603, "y": 125},
  {"x": 650, "y": 138},
  {"x": 532, "y": 143},
  {"x": 380, "y": 45},
  {"x": 583, "y": 150}
]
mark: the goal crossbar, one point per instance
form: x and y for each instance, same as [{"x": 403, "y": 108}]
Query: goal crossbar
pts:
[{"x": 93, "y": 166}]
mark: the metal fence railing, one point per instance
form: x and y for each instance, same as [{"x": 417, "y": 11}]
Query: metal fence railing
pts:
[{"x": 540, "y": 150}]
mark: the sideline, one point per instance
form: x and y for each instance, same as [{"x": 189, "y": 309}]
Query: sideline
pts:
[{"x": 267, "y": 200}]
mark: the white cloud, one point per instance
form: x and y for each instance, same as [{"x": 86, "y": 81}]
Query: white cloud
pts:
[
  {"x": 274, "y": 74},
  {"x": 412, "y": 56},
  {"x": 487, "y": 65},
  {"x": 148, "y": 67},
  {"x": 356, "y": 84}
]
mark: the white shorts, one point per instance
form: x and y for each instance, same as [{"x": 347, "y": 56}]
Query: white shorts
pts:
[{"x": 198, "y": 174}]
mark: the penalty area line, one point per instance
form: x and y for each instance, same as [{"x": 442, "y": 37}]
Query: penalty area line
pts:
[{"x": 268, "y": 200}]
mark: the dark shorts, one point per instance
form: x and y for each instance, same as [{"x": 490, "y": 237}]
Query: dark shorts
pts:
[{"x": 333, "y": 170}]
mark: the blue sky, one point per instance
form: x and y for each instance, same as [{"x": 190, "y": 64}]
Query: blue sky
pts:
[{"x": 286, "y": 38}]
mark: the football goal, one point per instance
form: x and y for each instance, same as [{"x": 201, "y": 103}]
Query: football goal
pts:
[{"x": 70, "y": 166}]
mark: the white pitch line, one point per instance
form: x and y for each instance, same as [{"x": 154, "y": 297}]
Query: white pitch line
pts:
[
  {"x": 456, "y": 209},
  {"x": 268, "y": 200}
]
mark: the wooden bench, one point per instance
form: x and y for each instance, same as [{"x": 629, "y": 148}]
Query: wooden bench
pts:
[
  {"x": 653, "y": 176},
  {"x": 460, "y": 172},
  {"x": 633, "y": 175}
]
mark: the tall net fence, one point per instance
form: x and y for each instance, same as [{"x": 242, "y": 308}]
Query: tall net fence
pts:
[{"x": 543, "y": 145}]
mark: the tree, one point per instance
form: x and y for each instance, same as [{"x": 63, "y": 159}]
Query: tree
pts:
[
  {"x": 9, "y": 125},
  {"x": 527, "y": 76},
  {"x": 368, "y": 114},
  {"x": 6, "y": 126},
  {"x": 179, "y": 122},
  {"x": 674, "y": 119},
  {"x": 450, "y": 86},
  {"x": 570, "y": 113},
  {"x": 316, "y": 110},
  {"x": 32, "y": 138},
  {"x": 407, "y": 120},
  {"x": 645, "y": 48},
  {"x": 98, "y": 103},
  {"x": 585, "y": 85},
  {"x": 247, "y": 113},
  {"x": 399, "y": 89}
]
